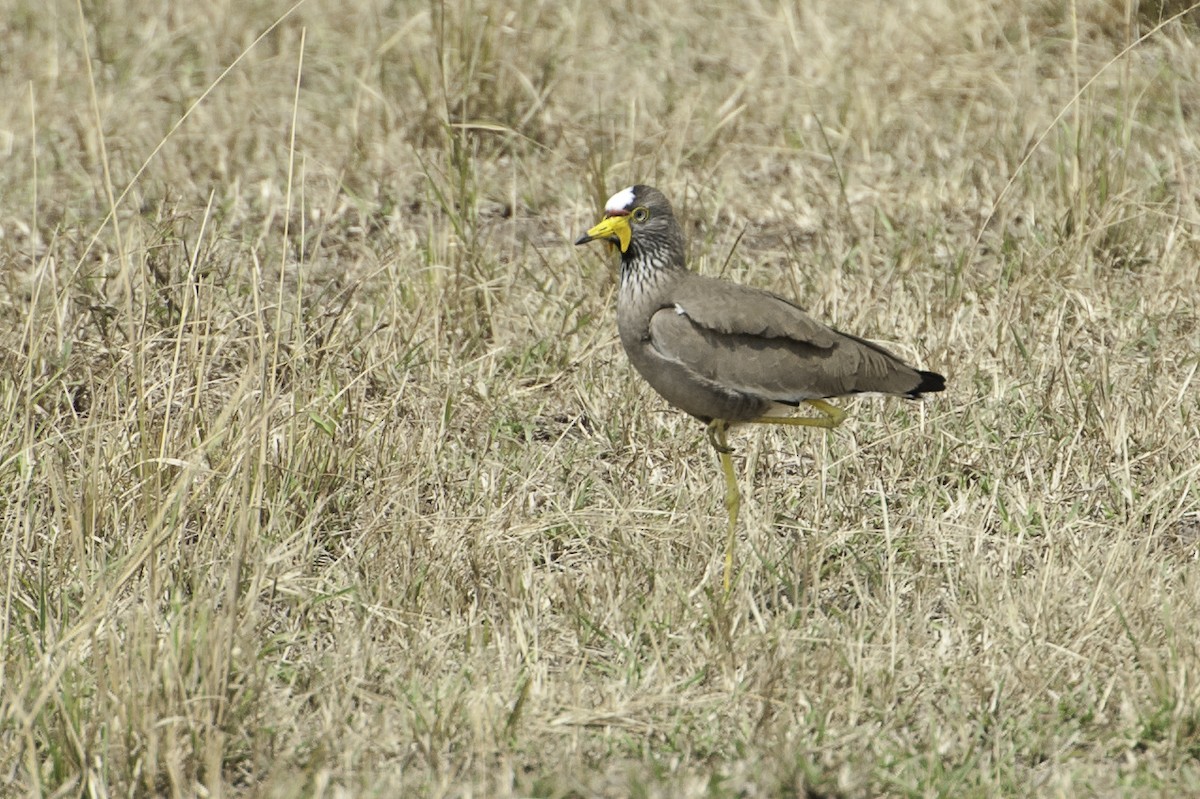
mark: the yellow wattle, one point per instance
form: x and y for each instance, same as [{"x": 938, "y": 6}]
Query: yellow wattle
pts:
[{"x": 611, "y": 226}]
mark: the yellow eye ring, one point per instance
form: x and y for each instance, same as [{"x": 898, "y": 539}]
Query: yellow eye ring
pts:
[{"x": 640, "y": 214}]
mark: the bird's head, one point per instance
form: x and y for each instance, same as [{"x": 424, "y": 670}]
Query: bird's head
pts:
[{"x": 631, "y": 216}]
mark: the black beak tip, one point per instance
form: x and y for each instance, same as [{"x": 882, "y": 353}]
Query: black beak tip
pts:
[{"x": 584, "y": 239}]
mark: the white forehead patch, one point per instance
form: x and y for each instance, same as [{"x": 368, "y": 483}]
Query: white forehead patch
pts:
[{"x": 621, "y": 201}]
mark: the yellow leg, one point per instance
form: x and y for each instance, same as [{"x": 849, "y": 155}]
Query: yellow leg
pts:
[
  {"x": 830, "y": 417},
  {"x": 733, "y": 499}
]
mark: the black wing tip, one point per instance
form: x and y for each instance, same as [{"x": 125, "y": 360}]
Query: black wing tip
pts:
[{"x": 930, "y": 383}]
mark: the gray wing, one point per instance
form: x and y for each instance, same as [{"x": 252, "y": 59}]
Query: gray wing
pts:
[
  {"x": 743, "y": 310},
  {"x": 756, "y": 343}
]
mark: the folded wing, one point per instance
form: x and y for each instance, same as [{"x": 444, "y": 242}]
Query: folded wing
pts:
[{"x": 756, "y": 343}]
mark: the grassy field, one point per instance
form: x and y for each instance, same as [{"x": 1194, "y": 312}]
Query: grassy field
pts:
[{"x": 322, "y": 472}]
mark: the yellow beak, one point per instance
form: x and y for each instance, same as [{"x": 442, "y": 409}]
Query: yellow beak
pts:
[{"x": 612, "y": 228}]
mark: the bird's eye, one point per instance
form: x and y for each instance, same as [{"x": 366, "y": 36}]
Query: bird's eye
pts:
[{"x": 640, "y": 214}]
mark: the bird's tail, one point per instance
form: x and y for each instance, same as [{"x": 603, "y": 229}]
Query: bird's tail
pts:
[{"x": 930, "y": 382}]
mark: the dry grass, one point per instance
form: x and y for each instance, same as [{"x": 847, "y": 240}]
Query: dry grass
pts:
[{"x": 323, "y": 473}]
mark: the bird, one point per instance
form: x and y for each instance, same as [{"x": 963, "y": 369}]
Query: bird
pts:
[{"x": 730, "y": 354}]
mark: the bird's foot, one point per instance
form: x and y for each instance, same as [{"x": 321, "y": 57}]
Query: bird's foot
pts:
[{"x": 830, "y": 417}]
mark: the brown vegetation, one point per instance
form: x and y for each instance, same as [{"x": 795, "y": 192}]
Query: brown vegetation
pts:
[{"x": 322, "y": 472}]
